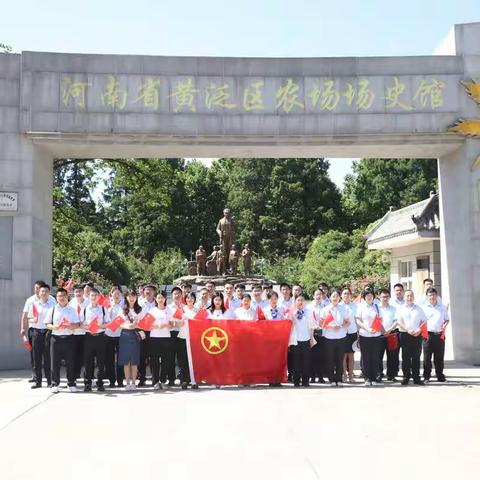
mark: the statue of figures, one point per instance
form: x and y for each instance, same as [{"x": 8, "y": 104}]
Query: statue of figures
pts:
[
  {"x": 212, "y": 261},
  {"x": 247, "y": 260},
  {"x": 221, "y": 262},
  {"x": 201, "y": 258},
  {"x": 226, "y": 233},
  {"x": 233, "y": 259}
]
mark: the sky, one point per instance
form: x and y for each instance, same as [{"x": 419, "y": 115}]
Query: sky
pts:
[{"x": 253, "y": 28}]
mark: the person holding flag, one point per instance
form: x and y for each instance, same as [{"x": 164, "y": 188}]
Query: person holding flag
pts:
[
  {"x": 437, "y": 321},
  {"x": 334, "y": 321},
  {"x": 78, "y": 303},
  {"x": 189, "y": 313},
  {"x": 228, "y": 299},
  {"x": 130, "y": 339},
  {"x": 148, "y": 302},
  {"x": 176, "y": 345},
  {"x": 94, "y": 319},
  {"x": 369, "y": 322},
  {"x": 412, "y": 320},
  {"x": 352, "y": 334},
  {"x": 38, "y": 315},
  {"x": 62, "y": 319},
  {"x": 113, "y": 371},
  {"x": 317, "y": 364},
  {"x": 258, "y": 302},
  {"x": 246, "y": 311}
]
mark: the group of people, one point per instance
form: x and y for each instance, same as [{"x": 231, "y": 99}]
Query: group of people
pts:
[{"x": 85, "y": 332}]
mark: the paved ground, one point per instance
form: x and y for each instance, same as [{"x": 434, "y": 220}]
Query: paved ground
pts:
[{"x": 390, "y": 432}]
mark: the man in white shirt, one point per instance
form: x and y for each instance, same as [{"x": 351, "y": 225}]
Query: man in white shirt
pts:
[
  {"x": 78, "y": 303},
  {"x": 410, "y": 319},
  {"x": 228, "y": 295},
  {"x": 318, "y": 358},
  {"x": 62, "y": 319},
  {"x": 285, "y": 301},
  {"x": 427, "y": 284},
  {"x": 113, "y": 371},
  {"x": 437, "y": 321},
  {"x": 95, "y": 340},
  {"x": 149, "y": 292},
  {"x": 398, "y": 299},
  {"x": 239, "y": 293},
  {"x": 37, "y": 315},
  {"x": 389, "y": 322},
  {"x": 175, "y": 345},
  {"x": 257, "y": 301}
]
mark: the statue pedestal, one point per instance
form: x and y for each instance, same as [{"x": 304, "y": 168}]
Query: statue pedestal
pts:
[{"x": 221, "y": 280}]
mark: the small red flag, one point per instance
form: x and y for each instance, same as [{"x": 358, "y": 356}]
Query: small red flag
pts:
[
  {"x": 260, "y": 314},
  {"x": 27, "y": 344},
  {"x": 64, "y": 323},
  {"x": 442, "y": 335},
  {"x": 146, "y": 322},
  {"x": 93, "y": 325},
  {"x": 424, "y": 330},
  {"x": 68, "y": 285},
  {"x": 227, "y": 303},
  {"x": 392, "y": 342},
  {"x": 327, "y": 320},
  {"x": 178, "y": 313},
  {"x": 115, "y": 323},
  {"x": 79, "y": 309},
  {"x": 377, "y": 324},
  {"x": 34, "y": 311},
  {"x": 104, "y": 301},
  {"x": 202, "y": 314}
]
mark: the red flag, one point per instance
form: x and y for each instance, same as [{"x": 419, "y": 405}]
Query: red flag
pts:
[
  {"x": 235, "y": 352},
  {"x": 68, "y": 285},
  {"x": 79, "y": 309},
  {"x": 227, "y": 303},
  {"x": 377, "y": 324},
  {"x": 260, "y": 314},
  {"x": 104, "y": 301},
  {"x": 392, "y": 342},
  {"x": 64, "y": 323},
  {"x": 424, "y": 330},
  {"x": 115, "y": 323},
  {"x": 442, "y": 335},
  {"x": 93, "y": 325},
  {"x": 202, "y": 314},
  {"x": 34, "y": 311},
  {"x": 178, "y": 313},
  {"x": 27, "y": 344},
  {"x": 327, "y": 320},
  {"x": 146, "y": 322}
]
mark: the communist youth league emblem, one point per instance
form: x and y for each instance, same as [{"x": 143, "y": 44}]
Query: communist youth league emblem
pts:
[{"x": 214, "y": 340}]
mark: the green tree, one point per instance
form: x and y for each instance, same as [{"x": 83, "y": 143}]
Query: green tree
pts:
[{"x": 377, "y": 184}]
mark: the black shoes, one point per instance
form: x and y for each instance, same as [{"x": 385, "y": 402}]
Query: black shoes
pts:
[
  {"x": 141, "y": 383},
  {"x": 87, "y": 388},
  {"x": 36, "y": 385},
  {"x": 184, "y": 385},
  {"x": 441, "y": 379},
  {"x": 171, "y": 383},
  {"x": 32, "y": 380},
  {"x": 417, "y": 381},
  {"x": 405, "y": 381},
  {"x": 100, "y": 388}
]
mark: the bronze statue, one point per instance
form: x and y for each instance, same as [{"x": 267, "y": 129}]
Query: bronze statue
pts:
[
  {"x": 201, "y": 258},
  {"x": 221, "y": 262},
  {"x": 233, "y": 259},
  {"x": 247, "y": 254},
  {"x": 212, "y": 261},
  {"x": 226, "y": 233}
]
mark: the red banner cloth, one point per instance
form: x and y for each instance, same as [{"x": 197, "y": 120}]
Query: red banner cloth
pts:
[{"x": 239, "y": 352}]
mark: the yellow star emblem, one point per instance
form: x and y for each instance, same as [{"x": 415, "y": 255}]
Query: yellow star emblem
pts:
[{"x": 216, "y": 342}]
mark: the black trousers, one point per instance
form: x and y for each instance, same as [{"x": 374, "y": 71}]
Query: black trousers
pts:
[
  {"x": 113, "y": 371},
  {"x": 317, "y": 357},
  {"x": 144, "y": 357},
  {"x": 370, "y": 348},
  {"x": 94, "y": 349},
  {"x": 159, "y": 351},
  {"x": 411, "y": 351},
  {"x": 334, "y": 353},
  {"x": 79, "y": 342},
  {"x": 290, "y": 363},
  {"x": 32, "y": 364},
  {"x": 435, "y": 347},
  {"x": 41, "y": 354},
  {"x": 183, "y": 360},
  {"x": 174, "y": 355},
  {"x": 62, "y": 348},
  {"x": 393, "y": 359},
  {"x": 301, "y": 362}
]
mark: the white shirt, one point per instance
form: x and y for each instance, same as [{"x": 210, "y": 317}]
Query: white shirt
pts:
[
  {"x": 114, "y": 311},
  {"x": 91, "y": 313},
  {"x": 274, "y": 314},
  {"x": 229, "y": 314},
  {"x": 316, "y": 309},
  {"x": 424, "y": 299},
  {"x": 285, "y": 304},
  {"x": 30, "y": 300},
  {"x": 397, "y": 303},
  {"x": 366, "y": 314},
  {"x": 339, "y": 314},
  {"x": 436, "y": 315},
  {"x": 412, "y": 316},
  {"x": 199, "y": 305},
  {"x": 173, "y": 307},
  {"x": 141, "y": 301},
  {"x": 389, "y": 316},
  {"x": 43, "y": 310},
  {"x": 303, "y": 324},
  {"x": 242, "y": 314},
  {"x": 262, "y": 304},
  {"x": 162, "y": 317},
  {"x": 351, "y": 309},
  {"x": 189, "y": 313},
  {"x": 59, "y": 313},
  {"x": 79, "y": 309},
  {"x": 235, "y": 303}
]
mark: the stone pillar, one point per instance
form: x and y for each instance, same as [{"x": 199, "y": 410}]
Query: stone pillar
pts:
[
  {"x": 27, "y": 170},
  {"x": 460, "y": 248}
]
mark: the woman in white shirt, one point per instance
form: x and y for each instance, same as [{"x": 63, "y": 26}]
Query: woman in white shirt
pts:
[
  {"x": 334, "y": 321},
  {"x": 189, "y": 312},
  {"x": 160, "y": 341},
  {"x": 246, "y": 312},
  {"x": 367, "y": 315},
  {"x": 217, "y": 310},
  {"x": 352, "y": 335},
  {"x": 113, "y": 371}
]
